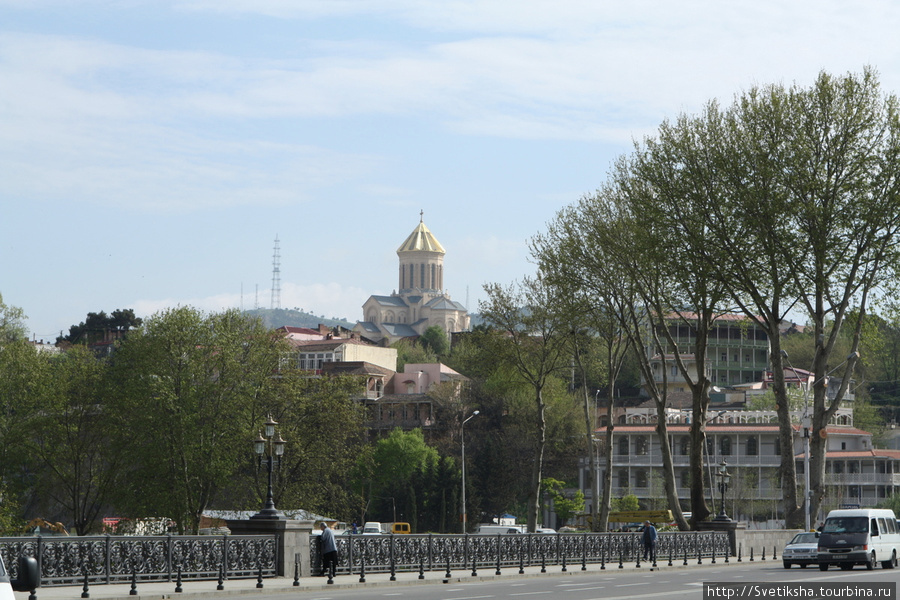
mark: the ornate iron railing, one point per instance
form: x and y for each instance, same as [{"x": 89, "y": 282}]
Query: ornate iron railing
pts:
[
  {"x": 118, "y": 559},
  {"x": 381, "y": 553}
]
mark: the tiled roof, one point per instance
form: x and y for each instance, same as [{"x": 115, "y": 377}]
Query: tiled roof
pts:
[
  {"x": 389, "y": 300},
  {"x": 873, "y": 453},
  {"x": 421, "y": 239}
]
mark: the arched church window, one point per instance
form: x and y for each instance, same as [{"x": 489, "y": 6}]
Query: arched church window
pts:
[
  {"x": 422, "y": 278},
  {"x": 433, "y": 282}
]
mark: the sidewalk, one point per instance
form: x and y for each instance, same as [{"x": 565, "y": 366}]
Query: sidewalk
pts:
[{"x": 199, "y": 590}]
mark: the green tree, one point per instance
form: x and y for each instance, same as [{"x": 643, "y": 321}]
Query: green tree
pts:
[
  {"x": 186, "y": 384},
  {"x": 535, "y": 345},
  {"x": 324, "y": 426},
  {"x": 100, "y": 326},
  {"x": 566, "y": 507},
  {"x": 71, "y": 442},
  {"x": 434, "y": 339},
  {"x": 12, "y": 322},
  {"x": 23, "y": 381}
]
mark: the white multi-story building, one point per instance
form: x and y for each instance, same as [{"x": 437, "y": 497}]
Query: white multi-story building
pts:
[{"x": 748, "y": 442}]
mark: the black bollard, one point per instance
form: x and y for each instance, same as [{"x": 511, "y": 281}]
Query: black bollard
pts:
[
  {"x": 714, "y": 553},
  {"x": 774, "y": 557},
  {"x": 393, "y": 576},
  {"x": 603, "y": 559},
  {"x": 739, "y": 552},
  {"x": 447, "y": 574},
  {"x": 259, "y": 583},
  {"x": 653, "y": 564},
  {"x": 133, "y": 591},
  {"x": 763, "y": 555},
  {"x": 670, "y": 557},
  {"x": 497, "y": 572},
  {"x": 362, "y": 569},
  {"x": 521, "y": 562},
  {"x": 727, "y": 552},
  {"x": 751, "y": 553},
  {"x": 474, "y": 565},
  {"x": 684, "y": 564},
  {"x": 178, "y": 589},
  {"x": 421, "y": 569},
  {"x": 699, "y": 556},
  {"x": 84, "y": 588},
  {"x": 543, "y": 563},
  {"x": 637, "y": 564},
  {"x": 221, "y": 583},
  {"x": 621, "y": 566},
  {"x": 297, "y": 572},
  {"x": 584, "y": 562},
  {"x": 563, "y": 563}
]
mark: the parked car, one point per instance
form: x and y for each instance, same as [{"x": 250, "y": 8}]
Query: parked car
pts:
[{"x": 802, "y": 550}]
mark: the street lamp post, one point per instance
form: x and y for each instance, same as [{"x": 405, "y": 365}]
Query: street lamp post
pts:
[
  {"x": 462, "y": 437},
  {"x": 724, "y": 479},
  {"x": 269, "y": 449}
]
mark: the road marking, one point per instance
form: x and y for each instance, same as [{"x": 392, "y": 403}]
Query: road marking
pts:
[
  {"x": 530, "y": 593},
  {"x": 584, "y": 589},
  {"x": 628, "y": 584}
]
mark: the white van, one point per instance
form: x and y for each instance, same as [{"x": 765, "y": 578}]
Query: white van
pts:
[
  {"x": 28, "y": 581},
  {"x": 859, "y": 536},
  {"x": 372, "y": 528},
  {"x": 495, "y": 529}
]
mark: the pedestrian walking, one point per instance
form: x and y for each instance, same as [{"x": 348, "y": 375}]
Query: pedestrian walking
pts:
[
  {"x": 328, "y": 548},
  {"x": 648, "y": 538}
]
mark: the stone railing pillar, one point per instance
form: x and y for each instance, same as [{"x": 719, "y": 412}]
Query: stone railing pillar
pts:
[{"x": 292, "y": 541}]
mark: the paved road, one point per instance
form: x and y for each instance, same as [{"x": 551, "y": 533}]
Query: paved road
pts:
[{"x": 631, "y": 583}]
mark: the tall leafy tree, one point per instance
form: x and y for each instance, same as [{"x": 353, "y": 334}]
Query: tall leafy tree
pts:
[
  {"x": 535, "y": 344},
  {"x": 186, "y": 383},
  {"x": 801, "y": 195},
  {"x": 70, "y": 440},
  {"x": 324, "y": 426}
]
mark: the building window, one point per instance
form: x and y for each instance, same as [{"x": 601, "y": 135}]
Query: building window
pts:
[
  {"x": 686, "y": 478},
  {"x": 641, "y": 478},
  {"x": 623, "y": 478},
  {"x": 725, "y": 446},
  {"x": 752, "y": 446},
  {"x": 623, "y": 446},
  {"x": 674, "y": 370},
  {"x": 685, "y": 445},
  {"x": 422, "y": 279},
  {"x": 724, "y": 357},
  {"x": 778, "y": 446},
  {"x": 641, "y": 446}
]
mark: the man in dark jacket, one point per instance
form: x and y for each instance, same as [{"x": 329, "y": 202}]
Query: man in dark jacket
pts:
[
  {"x": 329, "y": 551},
  {"x": 648, "y": 538}
]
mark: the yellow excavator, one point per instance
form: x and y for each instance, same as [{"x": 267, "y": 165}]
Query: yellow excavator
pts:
[{"x": 42, "y": 524}]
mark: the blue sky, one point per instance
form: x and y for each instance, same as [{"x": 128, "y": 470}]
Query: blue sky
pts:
[{"x": 151, "y": 151}]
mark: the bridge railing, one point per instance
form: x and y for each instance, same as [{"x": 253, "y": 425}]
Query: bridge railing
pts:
[
  {"x": 381, "y": 553},
  {"x": 117, "y": 559}
]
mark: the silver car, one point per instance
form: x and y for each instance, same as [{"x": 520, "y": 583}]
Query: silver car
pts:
[{"x": 802, "y": 550}]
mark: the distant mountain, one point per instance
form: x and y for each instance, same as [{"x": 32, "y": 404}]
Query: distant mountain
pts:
[{"x": 287, "y": 317}]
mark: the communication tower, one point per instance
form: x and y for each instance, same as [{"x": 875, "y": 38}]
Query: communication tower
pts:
[{"x": 276, "y": 276}]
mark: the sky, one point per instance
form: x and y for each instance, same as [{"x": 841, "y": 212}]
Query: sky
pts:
[{"x": 151, "y": 152}]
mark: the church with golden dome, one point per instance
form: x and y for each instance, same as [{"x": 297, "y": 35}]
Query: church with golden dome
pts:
[{"x": 420, "y": 300}]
